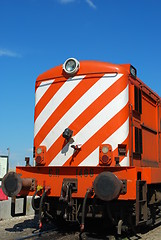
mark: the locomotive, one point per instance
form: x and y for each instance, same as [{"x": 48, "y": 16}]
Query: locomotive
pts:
[{"x": 97, "y": 147}]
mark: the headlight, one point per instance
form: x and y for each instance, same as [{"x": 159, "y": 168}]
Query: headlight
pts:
[
  {"x": 133, "y": 71},
  {"x": 39, "y": 150},
  {"x": 71, "y": 66},
  {"x": 105, "y": 149}
]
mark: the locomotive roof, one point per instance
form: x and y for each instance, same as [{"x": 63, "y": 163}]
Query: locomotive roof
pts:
[
  {"x": 96, "y": 67},
  {"x": 86, "y": 67}
]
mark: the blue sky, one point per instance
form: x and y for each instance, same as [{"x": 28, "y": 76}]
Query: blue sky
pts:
[{"x": 36, "y": 35}]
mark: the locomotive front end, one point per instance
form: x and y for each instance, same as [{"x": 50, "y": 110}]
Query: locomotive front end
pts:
[
  {"x": 92, "y": 135},
  {"x": 81, "y": 141},
  {"x": 81, "y": 133}
]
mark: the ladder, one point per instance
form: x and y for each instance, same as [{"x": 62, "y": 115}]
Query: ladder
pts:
[{"x": 141, "y": 202}]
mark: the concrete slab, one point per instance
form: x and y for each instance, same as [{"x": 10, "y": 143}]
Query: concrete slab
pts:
[{"x": 5, "y": 208}]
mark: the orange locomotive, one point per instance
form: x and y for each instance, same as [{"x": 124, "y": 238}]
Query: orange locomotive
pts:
[{"x": 97, "y": 146}]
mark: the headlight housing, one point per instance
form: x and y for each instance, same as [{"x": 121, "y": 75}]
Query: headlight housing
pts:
[
  {"x": 40, "y": 155},
  {"x": 105, "y": 154},
  {"x": 71, "y": 66}
]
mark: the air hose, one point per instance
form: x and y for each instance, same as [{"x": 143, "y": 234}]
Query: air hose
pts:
[
  {"x": 41, "y": 207},
  {"x": 39, "y": 188},
  {"x": 84, "y": 208}
]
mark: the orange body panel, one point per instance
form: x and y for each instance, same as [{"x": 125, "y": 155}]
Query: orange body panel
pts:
[
  {"x": 105, "y": 86},
  {"x": 53, "y": 177}
]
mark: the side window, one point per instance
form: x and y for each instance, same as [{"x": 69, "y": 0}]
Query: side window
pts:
[
  {"x": 138, "y": 141},
  {"x": 138, "y": 100}
]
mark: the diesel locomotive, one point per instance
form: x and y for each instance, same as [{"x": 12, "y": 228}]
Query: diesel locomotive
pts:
[{"x": 97, "y": 147}]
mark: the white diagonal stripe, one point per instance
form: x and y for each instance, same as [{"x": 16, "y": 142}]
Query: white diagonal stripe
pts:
[
  {"x": 107, "y": 113},
  {"x": 116, "y": 138},
  {"x": 84, "y": 102},
  {"x": 60, "y": 95},
  {"x": 41, "y": 90},
  {"x": 125, "y": 161},
  {"x": 92, "y": 159}
]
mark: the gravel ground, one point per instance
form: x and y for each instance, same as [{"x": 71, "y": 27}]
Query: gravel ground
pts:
[{"x": 19, "y": 227}]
